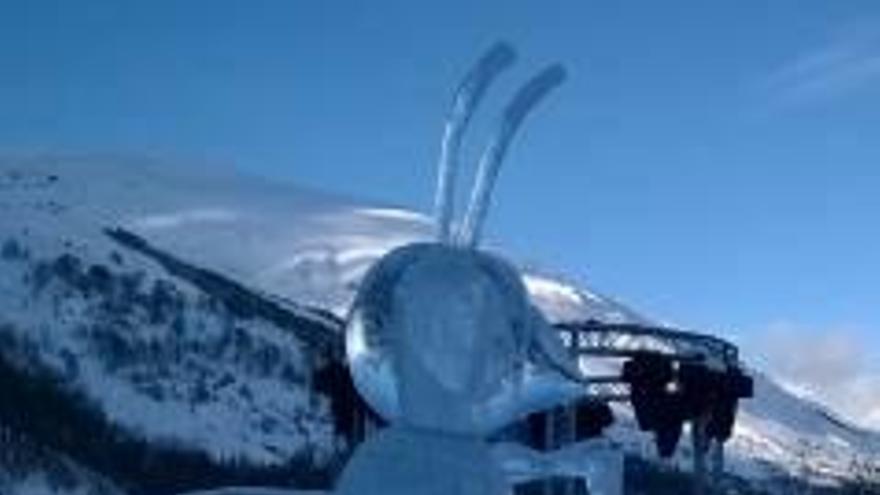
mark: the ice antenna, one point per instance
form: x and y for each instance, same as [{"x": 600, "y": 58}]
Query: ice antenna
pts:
[
  {"x": 523, "y": 102},
  {"x": 467, "y": 97}
]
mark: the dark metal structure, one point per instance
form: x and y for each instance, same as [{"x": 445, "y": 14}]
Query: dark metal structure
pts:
[{"x": 670, "y": 377}]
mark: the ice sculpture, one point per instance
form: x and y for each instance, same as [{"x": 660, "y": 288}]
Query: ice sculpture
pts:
[
  {"x": 444, "y": 343},
  {"x": 463, "y": 304},
  {"x": 444, "y": 337}
]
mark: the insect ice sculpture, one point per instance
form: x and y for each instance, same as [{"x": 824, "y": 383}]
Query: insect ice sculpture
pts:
[
  {"x": 443, "y": 335},
  {"x": 442, "y": 339},
  {"x": 443, "y": 342}
]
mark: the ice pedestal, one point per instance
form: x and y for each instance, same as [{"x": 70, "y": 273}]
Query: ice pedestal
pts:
[
  {"x": 406, "y": 461},
  {"x": 597, "y": 462}
]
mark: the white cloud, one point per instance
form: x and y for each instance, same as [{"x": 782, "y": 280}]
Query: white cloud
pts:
[
  {"x": 183, "y": 218},
  {"x": 837, "y": 367},
  {"x": 848, "y": 62}
]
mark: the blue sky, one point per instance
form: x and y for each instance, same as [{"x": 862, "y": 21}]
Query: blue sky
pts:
[{"x": 713, "y": 164}]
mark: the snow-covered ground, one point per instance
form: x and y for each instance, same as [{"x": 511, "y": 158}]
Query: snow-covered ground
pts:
[
  {"x": 153, "y": 354},
  {"x": 299, "y": 245}
]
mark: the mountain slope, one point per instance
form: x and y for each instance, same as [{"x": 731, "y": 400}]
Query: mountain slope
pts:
[{"x": 188, "y": 357}]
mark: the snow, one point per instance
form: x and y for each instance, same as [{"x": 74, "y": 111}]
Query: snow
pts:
[
  {"x": 250, "y": 490},
  {"x": 27, "y": 468},
  {"x": 213, "y": 401},
  {"x": 562, "y": 301},
  {"x": 38, "y": 484},
  {"x": 264, "y": 426},
  {"x": 312, "y": 248},
  {"x": 300, "y": 244}
]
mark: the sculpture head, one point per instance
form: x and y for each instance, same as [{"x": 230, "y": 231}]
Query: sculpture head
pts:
[
  {"x": 441, "y": 335},
  {"x": 444, "y": 328}
]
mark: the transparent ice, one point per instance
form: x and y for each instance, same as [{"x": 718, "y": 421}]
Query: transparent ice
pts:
[{"x": 449, "y": 334}]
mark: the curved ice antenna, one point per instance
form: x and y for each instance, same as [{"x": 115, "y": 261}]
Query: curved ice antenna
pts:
[
  {"x": 468, "y": 95},
  {"x": 523, "y": 103}
]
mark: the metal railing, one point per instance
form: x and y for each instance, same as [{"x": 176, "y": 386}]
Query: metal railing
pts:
[{"x": 597, "y": 339}]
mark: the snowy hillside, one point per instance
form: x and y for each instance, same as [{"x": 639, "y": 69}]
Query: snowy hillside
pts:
[{"x": 164, "y": 361}]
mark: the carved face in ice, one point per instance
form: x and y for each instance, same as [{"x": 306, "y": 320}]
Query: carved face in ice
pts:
[
  {"x": 462, "y": 316},
  {"x": 436, "y": 333}
]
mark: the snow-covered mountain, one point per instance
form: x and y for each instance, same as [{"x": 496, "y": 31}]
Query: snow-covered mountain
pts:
[{"x": 137, "y": 354}]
